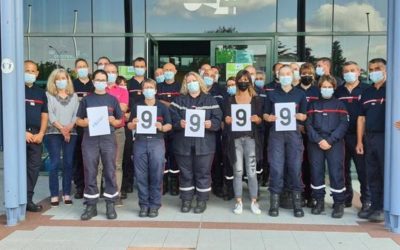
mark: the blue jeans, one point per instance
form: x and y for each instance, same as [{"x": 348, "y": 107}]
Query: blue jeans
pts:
[
  {"x": 55, "y": 144},
  {"x": 149, "y": 156}
]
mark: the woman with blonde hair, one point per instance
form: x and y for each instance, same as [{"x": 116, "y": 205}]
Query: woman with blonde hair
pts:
[
  {"x": 61, "y": 134},
  {"x": 194, "y": 155}
]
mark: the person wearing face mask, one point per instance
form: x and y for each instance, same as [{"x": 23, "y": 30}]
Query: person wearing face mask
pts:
[
  {"x": 245, "y": 145},
  {"x": 324, "y": 67},
  {"x": 167, "y": 91},
  {"x": 349, "y": 93},
  {"x": 296, "y": 73},
  {"x": 159, "y": 75},
  {"x": 99, "y": 147},
  {"x": 327, "y": 124},
  {"x": 149, "y": 152},
  {"x": 61, "y": 134},
  {"x": 215, "y": 90},
  {"x": 123, "y": 98},
  {"x": 274, "y": 84},
  {"x": 102, "y": 62},
  {"x": 259, "y": 83},
  {"x": 215, "y": 70},
  {"x": 194, "y": 155},
  {"x": 285, "y": 148},
  {"x": 36, "y": 113},
  {"x": 83, "y": 86},
  {"x": 135, "y": 83},
  {"x": 203, "y": 68},
  {"x": 371, "y": 130}
]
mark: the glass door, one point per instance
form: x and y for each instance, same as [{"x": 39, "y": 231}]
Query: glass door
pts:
[
  {"x": 151, "y": 55},
  {"x": 232, "y": 56}
]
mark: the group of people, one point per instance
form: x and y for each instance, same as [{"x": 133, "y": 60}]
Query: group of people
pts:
[{"x": 278, "y": 134}]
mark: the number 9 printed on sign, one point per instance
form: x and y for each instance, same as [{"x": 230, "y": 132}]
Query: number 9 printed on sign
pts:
[
  {"x": 147, "y": 116},
  {"x": 241, "y": 117},
  {"x": 195, "y": 123},
  {"x": 285, "y": 116}
]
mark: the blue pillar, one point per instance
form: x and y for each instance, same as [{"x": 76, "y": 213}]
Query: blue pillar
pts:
[
  {"x": 12, "y": 65},
  {"x": 392, "y": 147}
]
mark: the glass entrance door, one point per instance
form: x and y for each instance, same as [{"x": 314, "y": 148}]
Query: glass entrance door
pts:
[
  {"x": 151, "y": 55},
  {"x": 232, "y": 56}
]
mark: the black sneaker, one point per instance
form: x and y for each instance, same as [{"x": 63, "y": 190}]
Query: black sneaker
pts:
[
  {"x": 144, "y": 212},
  {"x": 186, "y": 206},
  {"x": 153, "y": 212}
]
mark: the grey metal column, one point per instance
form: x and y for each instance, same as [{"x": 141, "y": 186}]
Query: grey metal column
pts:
[
  {"x": 392, "y": 136},
  {"x": 12, "y": 66}
]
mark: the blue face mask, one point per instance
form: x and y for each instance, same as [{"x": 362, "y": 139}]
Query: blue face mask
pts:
[
  {"x": 350, "y": 77},
  {"x": 149, "y": 93},
  {"x": 169, "y": 75},
  {"x": 376, "y": 76},
  {"x": 231, "y": 90},
  {"x": 160, "y": 78},
  {"x": 259, "y": 83},
  {"x": 111, "y": 77},
  {"x": 100, "y": 86},
  {"x": 193, "y": 87},
  {"x": 285, "y": 80},
  {"x": 29, "y": 78},
  {"x": 61, "y": 84},
  {"x": 327, "y": 92},
  {"x": 319, "y": 71},
  {"x": 208, "y": 81},
  {"x": 140, "y": 71},
  {"x": 83, "y": 72}
]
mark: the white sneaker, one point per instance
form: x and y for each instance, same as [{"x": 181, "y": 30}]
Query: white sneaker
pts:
[
  {"x": 238, "y": 208},
  {"x": 255, "y": 208}
]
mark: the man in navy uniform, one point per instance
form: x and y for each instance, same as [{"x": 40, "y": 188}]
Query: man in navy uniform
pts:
[{"x": 36, "y": 125}]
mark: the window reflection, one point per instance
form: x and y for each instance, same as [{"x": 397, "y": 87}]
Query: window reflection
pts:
[
  {"x": 319, "y": 15},
  {"x": 318, "y": 46},
  {"x": 111, "y": 47},
  {"x": 287, "y": 49},
  {"x": 108, "y": 16},
  {"x": 287, "y": 16}
]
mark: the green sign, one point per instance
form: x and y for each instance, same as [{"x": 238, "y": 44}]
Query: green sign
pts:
[
  {"x": 126, "y": 71},
  {"x": 233, "y": 68}
]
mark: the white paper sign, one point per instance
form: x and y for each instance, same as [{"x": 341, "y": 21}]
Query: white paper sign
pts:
[
  {"x": 195, "y": 119},
  {"x": 241, "y": 117},
  {"x": 286, "y": 116},
  {"x": 147, "y": 116},
  {"x": 98, "y": 121}
]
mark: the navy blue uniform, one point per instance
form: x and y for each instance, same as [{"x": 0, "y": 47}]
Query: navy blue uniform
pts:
[
  {"x": 195, "y": 155},
  {"x": 327, "y": 120},
  {"x": 149, "y": 157},
  {"x": 352, "y": 102},
  {"x": 373, "y": 109},
  {"x": 285, "y": 146},
  {"x": 96, "y": 147},
  {"x": 35, "y": 105},
  {"x": 272, "y": 86},
  {"x": 82, "y": 90}
]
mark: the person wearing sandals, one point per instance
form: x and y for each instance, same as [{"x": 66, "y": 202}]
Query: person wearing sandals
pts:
[
  {"x": 61, "y": 133},
  {"x": 245, "y": 144}
]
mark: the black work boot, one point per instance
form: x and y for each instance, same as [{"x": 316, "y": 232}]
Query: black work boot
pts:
[
  {"x": 90, "y": 212},
  {"x": 286, "y": 200},
  {"x": 319, "y": 207},
  {"x": 228, "y": 190},
  {"x": 297, "y": 208},
  {"x": 186, "y": 206},
  {"x": 274, "y": 205},
  {"x": 338, "y": 210},
  {"x": 200, "y": 207},
  {"x": 110, "y": 211},
  {"x": 165, "y": 184},
  {"x": 365, "y": 211},
  {"x": 173, "y": 185}
]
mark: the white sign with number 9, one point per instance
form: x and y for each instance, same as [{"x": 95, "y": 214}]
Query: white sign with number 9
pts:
[
  {"x": 147, "y": 116},
  {"x": 285, "y": 116},
  {"x": 241, "y": 117},
  {"x": 195, "y": 119}
]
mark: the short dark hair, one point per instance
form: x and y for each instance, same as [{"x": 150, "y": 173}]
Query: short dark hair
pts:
[
  {"x": 327, "y": 78},
  {"x": 103, "y": 57},
  {"x": 350, "y": 63},
  {"x": 325, "y": 59},
  {"x": 231, "y": 78},
  {"x": 99, "y": 71},
  {"x": 378, "y": 60},
  {"x": 139, "y": 59},
  {"x": 120, "y": 79},
  {"x": 276, "y": 64},
  {"x": 81, "y": 60}
]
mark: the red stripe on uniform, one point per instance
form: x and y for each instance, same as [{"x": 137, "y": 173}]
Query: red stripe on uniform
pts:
[
  {"x": 169, "y": 93},
  {"x": 35, "y": 101},
  {"x": 327, "y": 111}
]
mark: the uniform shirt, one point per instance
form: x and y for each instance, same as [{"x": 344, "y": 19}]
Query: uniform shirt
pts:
[
  {"x": 217, "y": 92},
  {"x": 168, "y": 92},
  {"x": 122, "y": 96},
  {"x": 35, "y": 105},
  {"x": 260, "y": 92},
  {"x": 82, "y": 89},
  {"x": 312, "y": 93},
  {"x": 327, "y": 119},
  {"x": 279, "y": 96},
  {"x": 373, "y": 108},
  {"x": 135, "y": 91},
  {"x": 352, "y": 102},
  {"x": 96, "y": 100},
  {"x": 272, "y": 86},
  {"x": 163, "y": 116}
]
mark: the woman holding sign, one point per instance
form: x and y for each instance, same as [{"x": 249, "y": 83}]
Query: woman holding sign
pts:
[
  {"x": 243, "y": 118},
  {"x": 327, "y": 125},
  {"x": 151, "y": 119},
  {"x": 196, "y": 116},
  {"x": 283, "y": 107}
]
